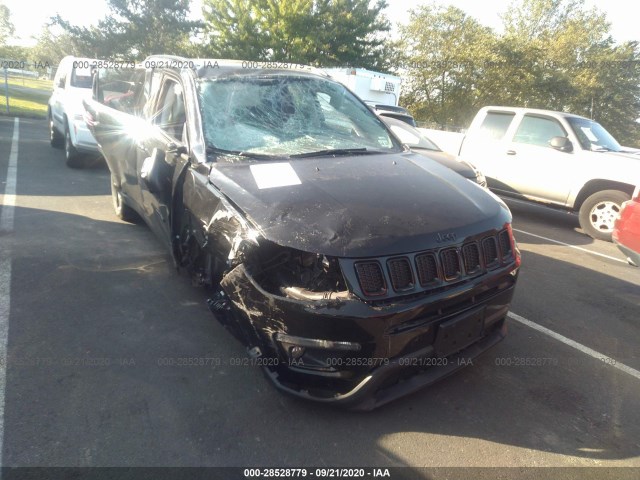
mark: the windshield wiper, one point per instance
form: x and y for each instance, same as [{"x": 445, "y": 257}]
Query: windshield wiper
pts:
[
  {"x": 336, "y": 152},
  {"x": 239, "y": 153},
  {"x": 600, "y": 148}
]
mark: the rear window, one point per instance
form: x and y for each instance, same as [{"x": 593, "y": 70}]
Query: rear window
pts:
[
  {"x": 496, "y": 124},
  {"x": 81, "y": 78}
]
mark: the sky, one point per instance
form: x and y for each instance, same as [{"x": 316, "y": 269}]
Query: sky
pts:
[{"x": 29, "y": 16}]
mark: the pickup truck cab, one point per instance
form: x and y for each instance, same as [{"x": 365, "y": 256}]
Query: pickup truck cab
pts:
[
  {"x": 342, "y": 260},
  {"x": 555, "y": 158}
]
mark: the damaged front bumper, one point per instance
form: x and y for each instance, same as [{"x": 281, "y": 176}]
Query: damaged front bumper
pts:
[{"x": 361, "y": 355}]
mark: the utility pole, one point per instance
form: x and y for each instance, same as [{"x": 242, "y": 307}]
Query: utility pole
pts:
[{"x": 6, "y": 88}]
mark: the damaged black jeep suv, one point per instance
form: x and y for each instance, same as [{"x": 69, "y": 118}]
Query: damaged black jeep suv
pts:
[{"x": 354, "y": 270}]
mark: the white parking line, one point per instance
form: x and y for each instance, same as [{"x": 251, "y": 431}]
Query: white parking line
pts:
[
  {"x": 571, "y": 246},
  {"x": 6, "y": 227},
  {"x": 578, "y": 346}
]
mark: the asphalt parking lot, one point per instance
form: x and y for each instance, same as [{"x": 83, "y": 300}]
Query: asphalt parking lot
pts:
[{"x": 93, "y": 312}]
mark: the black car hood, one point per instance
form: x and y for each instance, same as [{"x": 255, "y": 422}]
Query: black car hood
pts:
[
  {"x": 360, "y": 206},
  {"x": 459, "y": 166}
]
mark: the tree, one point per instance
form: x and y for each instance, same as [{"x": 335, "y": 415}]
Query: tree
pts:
[
  {"x": 444, "y": 54},
  {"x": 323, "y": 32},
  {"x": 51, "y": 48},
  {"x": 6, "y": 26},
  {"x": 574, "y": 64},
  {"x": 554, "y": 54},
  {"x": 135, "y": 29},
  {"x": 350, "y": 32}
]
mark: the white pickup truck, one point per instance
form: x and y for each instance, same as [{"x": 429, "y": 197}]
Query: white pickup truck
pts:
[{"x": 555, "y": 158}]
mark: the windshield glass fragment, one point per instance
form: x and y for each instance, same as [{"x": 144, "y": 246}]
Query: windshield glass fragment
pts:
[{"x": 288, "y": 115}]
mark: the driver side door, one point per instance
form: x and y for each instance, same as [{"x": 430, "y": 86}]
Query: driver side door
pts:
[{"x": 158, "y": 155}]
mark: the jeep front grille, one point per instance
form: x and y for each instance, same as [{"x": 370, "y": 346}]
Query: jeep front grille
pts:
[
  {"x": 490, "y": 249},
  {"x": 429, "y": 269},
  {"x": 505, "y": 243},
  {"x": 450, "y": 263},
  {"x": 400, "y": 273},
  {"x": 371, "y": 278},
  {"x": 471, "y": 257}
]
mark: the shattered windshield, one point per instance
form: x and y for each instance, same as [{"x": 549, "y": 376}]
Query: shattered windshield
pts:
[
  {"x": 288, "y": 115},
  {"x": 593, "y": 136}
]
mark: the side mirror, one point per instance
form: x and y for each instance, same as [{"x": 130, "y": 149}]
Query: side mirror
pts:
[
  {"x": 151, "y": 171},
  {"x": 562, "y": 144}
]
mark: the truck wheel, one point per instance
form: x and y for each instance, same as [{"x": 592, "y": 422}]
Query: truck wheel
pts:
[
  {"x": 54, "y": 135},
  {"x": 72, "y": 156},
  {"x": 122, "y": 210},
  {"x": 599, "y": 212}
]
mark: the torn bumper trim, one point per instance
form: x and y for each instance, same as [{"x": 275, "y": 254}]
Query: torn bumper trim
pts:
[
  {"x": 342, "y": 352},
  {"x": 370, "y": 393}
]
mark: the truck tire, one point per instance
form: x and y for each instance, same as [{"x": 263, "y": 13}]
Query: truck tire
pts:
[
  {"x": 599, "y": 212},
  {"x": 55, "y": 137},
  {"x": 121, "y": 209},
  {"x": 72, "y": 156}
]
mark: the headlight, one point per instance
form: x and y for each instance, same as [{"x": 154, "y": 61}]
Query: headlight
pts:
[{"x": 299, "y": 275}]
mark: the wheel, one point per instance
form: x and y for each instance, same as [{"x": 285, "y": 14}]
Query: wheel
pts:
[
  {"x": 72, "y": 156},
  {"x": 599, "y": 212},
  {"x": 55, "y": 137},
  {"x": 122, "y": 210}
]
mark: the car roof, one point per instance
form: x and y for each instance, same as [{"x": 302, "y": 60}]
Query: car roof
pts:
[
  {"x": 217, "y": 67},
  {"x": 531, "y": 110}
]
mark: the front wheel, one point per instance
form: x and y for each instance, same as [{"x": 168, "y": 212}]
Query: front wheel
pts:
[
  {"x": 598, "y": 213},
  {"x": 122, "y": 210},
  {"x": 71, "y": 154},
  {"x": 55, "y": 138}
]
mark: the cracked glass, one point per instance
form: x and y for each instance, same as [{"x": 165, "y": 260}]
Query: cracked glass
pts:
[{"x": 288, "y": 115}]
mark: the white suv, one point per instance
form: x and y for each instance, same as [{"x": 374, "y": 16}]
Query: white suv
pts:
[{"x": 67, "y": 127}]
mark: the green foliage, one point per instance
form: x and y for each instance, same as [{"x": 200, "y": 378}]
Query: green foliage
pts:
[
  {"x": 444, "y": 51},
  {"x": 135, "y": 29},
  {"x": 6, "y": 27},
  {"x": 322, "y": 32},
  {"x": 52, "y": 48},
  {"x": 554, "y": 54}
]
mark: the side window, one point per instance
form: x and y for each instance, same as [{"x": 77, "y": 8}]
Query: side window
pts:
[
  {"x": 538, "y": 130},
  {"x": 496, "y": 124},
  {"x": 170, "y": 115},
  {"x": 62, "y": 80},
  {"x": 121, "y": 89}
]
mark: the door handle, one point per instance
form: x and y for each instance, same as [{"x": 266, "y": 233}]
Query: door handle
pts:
[{"x": 511, "y": 152}]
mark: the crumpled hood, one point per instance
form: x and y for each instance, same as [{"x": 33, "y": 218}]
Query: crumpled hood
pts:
[{"x": 358, "y": 206}]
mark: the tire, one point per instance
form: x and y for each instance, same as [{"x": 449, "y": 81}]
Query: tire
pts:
[
  {"x": 72, "y": 156},
  {"x": 599, "y": 212},
  {"x": 55, "y": 138},
  {"x": 121, "y": 209}
]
